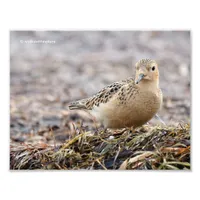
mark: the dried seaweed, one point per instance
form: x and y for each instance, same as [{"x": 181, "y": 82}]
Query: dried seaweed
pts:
[{"x": 157, "y": 148}]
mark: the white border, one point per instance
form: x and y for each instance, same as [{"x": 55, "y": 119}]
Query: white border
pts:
[{"x": 138, "y": 15}]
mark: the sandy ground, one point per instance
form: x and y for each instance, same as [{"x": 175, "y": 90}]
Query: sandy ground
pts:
[{"x": 46, "y": 77}]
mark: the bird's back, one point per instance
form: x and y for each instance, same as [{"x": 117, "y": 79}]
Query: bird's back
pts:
[{"x": 102, "y": 97}]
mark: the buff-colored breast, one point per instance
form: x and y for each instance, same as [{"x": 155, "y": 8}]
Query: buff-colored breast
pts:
[{"x": 135, "y": 112}]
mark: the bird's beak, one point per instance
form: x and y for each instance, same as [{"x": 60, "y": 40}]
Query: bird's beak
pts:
[{"x": 140, "y": 77}]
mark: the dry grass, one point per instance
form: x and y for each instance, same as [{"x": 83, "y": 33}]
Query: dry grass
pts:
[{"x": 157, "y": 148}]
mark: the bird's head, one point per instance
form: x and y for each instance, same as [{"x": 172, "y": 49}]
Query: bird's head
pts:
[{"x": 146, "y": 70}]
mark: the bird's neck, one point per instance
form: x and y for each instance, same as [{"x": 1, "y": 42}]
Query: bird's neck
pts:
[{"x": 149, "y": 85}]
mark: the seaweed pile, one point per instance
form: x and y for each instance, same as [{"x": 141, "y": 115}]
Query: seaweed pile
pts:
[{"x": 150, "y": 148}]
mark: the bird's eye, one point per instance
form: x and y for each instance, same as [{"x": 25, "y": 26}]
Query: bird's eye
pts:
[{"x": 153, "y": 68}]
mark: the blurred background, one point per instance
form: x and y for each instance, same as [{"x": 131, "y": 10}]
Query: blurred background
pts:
[{"x": 46, "y": 76}]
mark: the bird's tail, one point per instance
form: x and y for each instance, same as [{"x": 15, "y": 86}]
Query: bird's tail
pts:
[{"x": 77, "y": 105}]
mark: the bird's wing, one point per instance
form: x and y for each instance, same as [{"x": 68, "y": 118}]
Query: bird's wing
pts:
[{"x": 102, "y": 96}]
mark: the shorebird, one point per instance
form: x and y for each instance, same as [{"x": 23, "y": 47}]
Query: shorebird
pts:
[{"x": 127, "y": 103}]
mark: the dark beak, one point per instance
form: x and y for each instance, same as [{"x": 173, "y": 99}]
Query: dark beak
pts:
[{"x": 140, "y": 77}]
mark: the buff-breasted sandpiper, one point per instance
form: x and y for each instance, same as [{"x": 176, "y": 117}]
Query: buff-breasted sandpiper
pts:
[{"x": 127, "y": 103}]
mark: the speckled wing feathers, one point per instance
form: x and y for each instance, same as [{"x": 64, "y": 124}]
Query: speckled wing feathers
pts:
[{"x": 103, "y": 96}]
